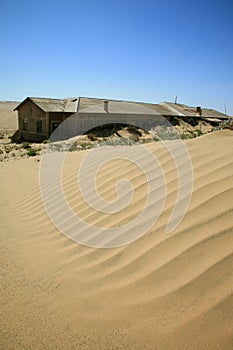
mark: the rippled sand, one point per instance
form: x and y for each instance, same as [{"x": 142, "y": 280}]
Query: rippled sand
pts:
[{"x": 159, "y": 292}]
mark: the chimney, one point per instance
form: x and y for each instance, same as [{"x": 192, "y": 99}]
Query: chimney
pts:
[
  {"x": 198, "y": 109},
  {"x": 106, "y": 106}
]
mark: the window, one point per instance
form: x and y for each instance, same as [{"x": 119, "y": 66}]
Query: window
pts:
[
  {"x": 55, "y": 125},
  {"x": 25, "y": 124},
  {"x": 39, "y": 126}
]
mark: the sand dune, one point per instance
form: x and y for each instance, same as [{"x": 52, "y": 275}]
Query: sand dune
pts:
[
  {"x": 8, "y": 117},
  {"x": 160, "y": 292}
]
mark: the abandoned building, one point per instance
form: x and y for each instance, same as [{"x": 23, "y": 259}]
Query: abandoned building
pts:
[{"x": 38, "y": 118}]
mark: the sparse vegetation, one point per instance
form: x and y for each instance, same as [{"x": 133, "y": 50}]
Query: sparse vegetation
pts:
[
  {"x": 110, "y": 135},
  {"x": 26, "y": 145},
  {"x": 91, "y": 137},
  {"x": 73, "y": 147},
  {"x": 134, "y": 130},
  {"x": 118, "y": 142},
  {"x": 199, "y": 132},
  {"x": 227, "y": 124},
  {"x": 190, "y": 134},
  {"x": 7, "y": 149},
  {"x": 166, "y": 133},
  {"x": 32, "y": 152}
]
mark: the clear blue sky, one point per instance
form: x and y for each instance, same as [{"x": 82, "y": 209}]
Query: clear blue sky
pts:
[{"x": 133, "y": 50}]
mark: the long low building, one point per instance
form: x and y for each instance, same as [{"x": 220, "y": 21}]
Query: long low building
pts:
[{"x": 39, "y": 118}]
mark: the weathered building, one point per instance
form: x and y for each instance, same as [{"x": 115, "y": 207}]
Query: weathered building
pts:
[{"x": 40, "y": 117}]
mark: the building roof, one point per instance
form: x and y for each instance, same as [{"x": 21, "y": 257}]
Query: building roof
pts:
[
  {"x": 187, "y": 111},
  {"x": 97, "y": 105},
  {"x": 53, "y": 105},
  {"x": 94, "y": 105},
  {"x": 212, "y": 113},
  {"x": 180, "y": 109}
]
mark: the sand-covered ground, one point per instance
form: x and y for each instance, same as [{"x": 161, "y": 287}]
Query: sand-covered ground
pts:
[
  {"x": 160, "y": 292},
  {"x": 99, "y": 136},
  {"x": 8, "y": 117}
]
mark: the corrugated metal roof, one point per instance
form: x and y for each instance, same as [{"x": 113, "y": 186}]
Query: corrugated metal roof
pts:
[
  {"x": 180, "y": 109},
  {"x": 212, "y": 113},
  {"x": 49, "y": 105},
  {"x": 187, "y": 111},
  {"x": 54, "y": 105},
  {"x": 71, "y": 104},
  {"x": 94, "y": 105}
]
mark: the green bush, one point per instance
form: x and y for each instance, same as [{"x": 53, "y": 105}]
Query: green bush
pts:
[
  {"x": 86, "y": 145},
  {"x": 32, "y": 152},
  {"x": 73, "y": 147},
  {"x": 199, "y": 132}
]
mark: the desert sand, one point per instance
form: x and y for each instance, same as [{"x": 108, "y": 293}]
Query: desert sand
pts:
[
  {"x": 160, "y": 292},
  {"x": 8, "y": 117}
]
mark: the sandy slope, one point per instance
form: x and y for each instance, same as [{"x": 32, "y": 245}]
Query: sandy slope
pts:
[
  {"x": 160, "y": 292},
  {"x": 8, "y": 117}
]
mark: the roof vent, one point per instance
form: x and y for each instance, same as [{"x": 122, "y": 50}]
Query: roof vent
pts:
[
  {"x": 198, "y": 109},
  {"x": 106, "y": 106}
]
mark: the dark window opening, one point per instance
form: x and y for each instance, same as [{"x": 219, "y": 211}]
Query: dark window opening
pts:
[
  {"x": 55, "y": 125},
  {"x": 39, "y": 126},
  {"x": 25, "y": 124}
]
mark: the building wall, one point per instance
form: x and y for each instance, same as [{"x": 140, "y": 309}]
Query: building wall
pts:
[
  {"x": 75, "y": 124},
  {"x": 35, "y": 124},
  {"x": 79, "y": 123},
  {"x": 29, "y": 116},
  {"x": 56, "y": 117}
]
